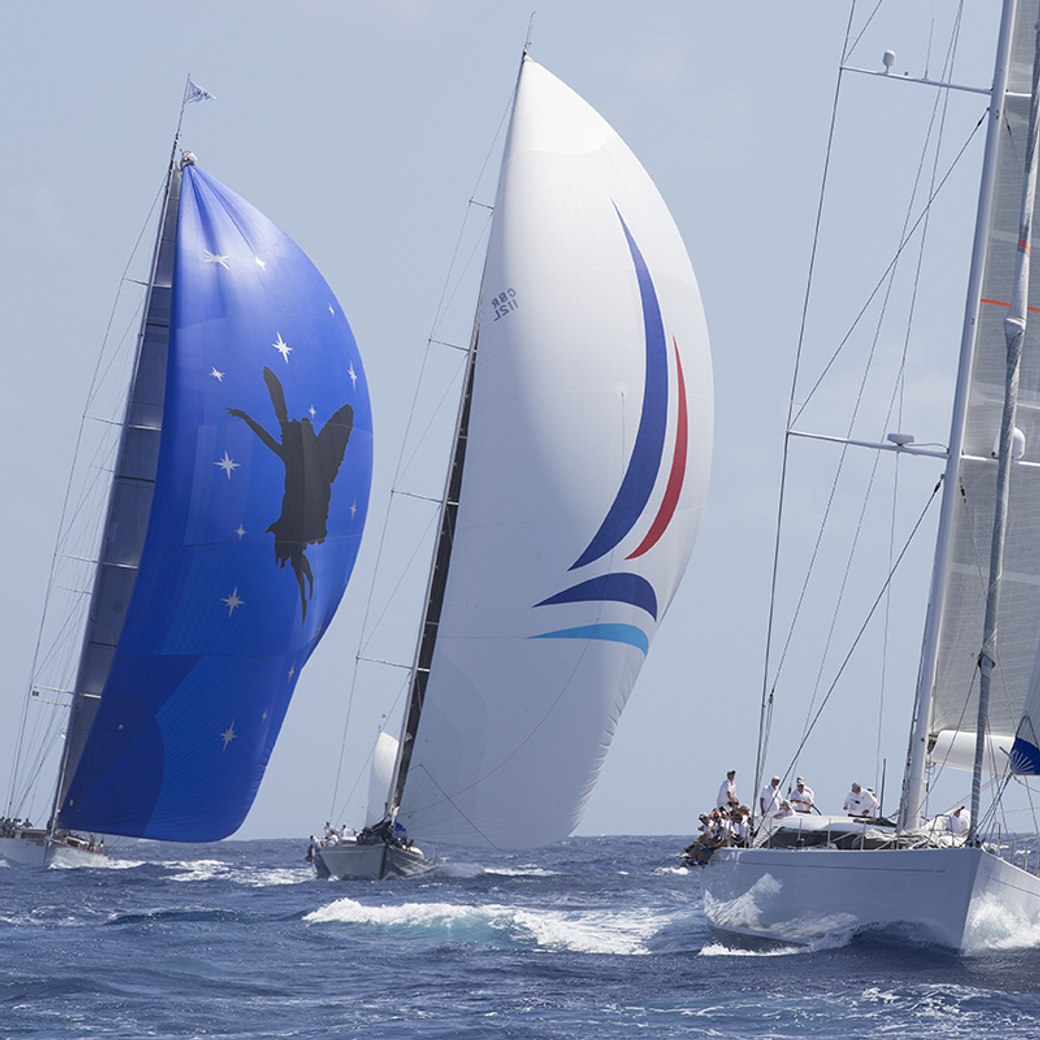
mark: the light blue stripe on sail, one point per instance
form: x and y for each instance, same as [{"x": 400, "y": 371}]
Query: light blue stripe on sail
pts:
[{"x": 612, "y": 633}]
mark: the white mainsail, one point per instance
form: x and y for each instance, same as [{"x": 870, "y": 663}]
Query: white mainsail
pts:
[
  {"x": 587, "y": 447},
  {"x": 955, "y": 703}
]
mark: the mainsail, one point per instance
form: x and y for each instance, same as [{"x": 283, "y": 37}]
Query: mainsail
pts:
[
  {"x": 955, "y": 704},
  {"x": 586, "y": 429},
  {"x": 250, "y": 432}
]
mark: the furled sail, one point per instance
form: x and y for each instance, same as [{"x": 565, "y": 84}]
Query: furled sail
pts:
[
  {"x": 260, "y": 498},
  {"x": 955, "y": 704},
  {"x": 587, "y": 448}
]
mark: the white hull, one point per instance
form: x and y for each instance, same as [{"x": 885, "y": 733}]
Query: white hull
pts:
[
  {"x": 349, "y": 860},
  {"x": 962, "y": 898},
  {"x": 34, "y": 851},
  {"x": 23, "y": 852}
]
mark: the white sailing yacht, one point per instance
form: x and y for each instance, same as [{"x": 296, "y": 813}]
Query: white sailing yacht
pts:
[
  {"x": 578, "y": 475},
  {"x": 237, "y": 501},
  {"x": 809, "y": 876}
]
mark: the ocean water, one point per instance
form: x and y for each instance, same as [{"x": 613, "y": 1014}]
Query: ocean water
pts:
[{"x": 591, "y": 938}]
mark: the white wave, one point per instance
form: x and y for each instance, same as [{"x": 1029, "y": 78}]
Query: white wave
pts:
[
  {"x": 77, "y": 859},
  {"x": 197, "y": 869},
  {"x": 264, "y": 878},
  {"x": 405, "y": 915},
  {"x": 994, "y": 925},
  {"x": 220, "y": 870},
  {"x": 466, "y": 871},
  {"x": 575, "y": 931},
  {"x": 527, "y": 871},
  {"x": 673, "y": 871},
  {"x": 719, "y": 949},
  {"x": 583, "y": 932}
]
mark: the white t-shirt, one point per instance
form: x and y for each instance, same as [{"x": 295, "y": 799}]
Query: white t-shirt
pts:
[
  {"x": 769, "y": 797},
  {"x": 803, "y": 800},
  {"x": 959, "y": 824},
  {"x": 723, "y": 801},
  {"x": 862, "y": 803}
]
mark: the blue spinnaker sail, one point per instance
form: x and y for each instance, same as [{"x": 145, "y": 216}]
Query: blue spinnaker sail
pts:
[{"x": 261, "y": 495}]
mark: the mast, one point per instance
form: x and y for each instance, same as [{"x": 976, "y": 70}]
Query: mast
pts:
[
  {"x": 912, "y": 803},
  {"x": 438, "y": 579},
  {"x": 130, "y": 492},
  {"x": 1014, "y": 332}
]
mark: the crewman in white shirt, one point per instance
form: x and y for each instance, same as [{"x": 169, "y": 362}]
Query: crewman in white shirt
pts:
[
  {"x": 802, "y": 798},
  {"x": 727, "y": 796},
  {"x": 854, "y": 800},
  {"x": 738, "y": 827},
  {"x": 769, "y": 798},
  {"x": 870, "y": 803},
  {"x": 960, "y": 819},
  {"x": 860, "y": 802}
]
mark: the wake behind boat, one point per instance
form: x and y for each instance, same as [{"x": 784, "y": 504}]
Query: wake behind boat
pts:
[
  {"x": 576, "y": 481},
  {"x": 806, "y": 878},
  {"x": 233, "y": 520}
]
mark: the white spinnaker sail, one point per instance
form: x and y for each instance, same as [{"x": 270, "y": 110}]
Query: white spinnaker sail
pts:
[
  {"x": 955, "y": 703},
  {"x": 586, "y": 469}
]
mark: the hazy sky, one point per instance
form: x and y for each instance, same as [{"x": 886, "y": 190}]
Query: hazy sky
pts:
[{"x": 361, "y": 129}]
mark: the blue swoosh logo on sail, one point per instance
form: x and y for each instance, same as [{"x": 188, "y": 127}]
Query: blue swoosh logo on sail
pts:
[
  {"x": 641, "y": 474},
  {"x": 619, "y": 588},
  {"x": 610, "y": 633}
]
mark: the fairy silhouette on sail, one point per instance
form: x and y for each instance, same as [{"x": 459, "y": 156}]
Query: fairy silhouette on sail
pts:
[{"x": 311, "y": 462}]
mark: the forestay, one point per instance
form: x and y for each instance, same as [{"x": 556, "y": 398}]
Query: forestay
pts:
[
  {"x": 261, "y": 492},
  {"x": 587, "y": 455}
]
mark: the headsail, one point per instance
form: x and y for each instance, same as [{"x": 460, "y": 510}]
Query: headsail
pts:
[
  {"x": 955, "y": 704},
  {"x": 261, "y": 493},
  {"x": 588, "y": 443}
]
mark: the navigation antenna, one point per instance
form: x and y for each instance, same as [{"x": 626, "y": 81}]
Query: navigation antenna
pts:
[{"x": 530, "y": 32}]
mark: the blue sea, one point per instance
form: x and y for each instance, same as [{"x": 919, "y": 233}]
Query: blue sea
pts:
[{"x": 592, "y": 938}]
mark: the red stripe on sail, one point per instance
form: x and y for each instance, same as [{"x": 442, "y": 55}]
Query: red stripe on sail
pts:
[
  {"x": 1006, "y": 303},
  {"x": 678, "y": 471}
]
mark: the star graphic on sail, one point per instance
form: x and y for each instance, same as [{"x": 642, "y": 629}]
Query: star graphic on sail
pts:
[
  {"x": 352, "y": 374},
  {"x": 216, "y": 258},
  {"x": 217, "y": 375},
  {"x": 227, "y": 464},
  {"x": 240, "y": 531},
  {"x": 232, "y": 601},
  {"x": 262, "y": 264},
  {"x": 312, "y": 460},
  {"x": 283, "y": 348},
  {"x": 228, "y": 735}
]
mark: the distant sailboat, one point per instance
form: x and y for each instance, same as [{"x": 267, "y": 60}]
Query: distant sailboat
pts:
[
  {"x": 246, "y": 445},
  {"x": 577, "y": 478},
  {"x": 940, "y": 880}
]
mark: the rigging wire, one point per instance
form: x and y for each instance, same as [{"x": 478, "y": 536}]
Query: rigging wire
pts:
[
  {"x": 849, "y": 48},
  {"x": 887, "y": 281},
  {"x": 895, "y": 259},
  {"x": 64, "y": 522},
  {"x": 863, "y": 627},
  {"x": 447, "y": 296},
  {"x": 765, "y": 712}
]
